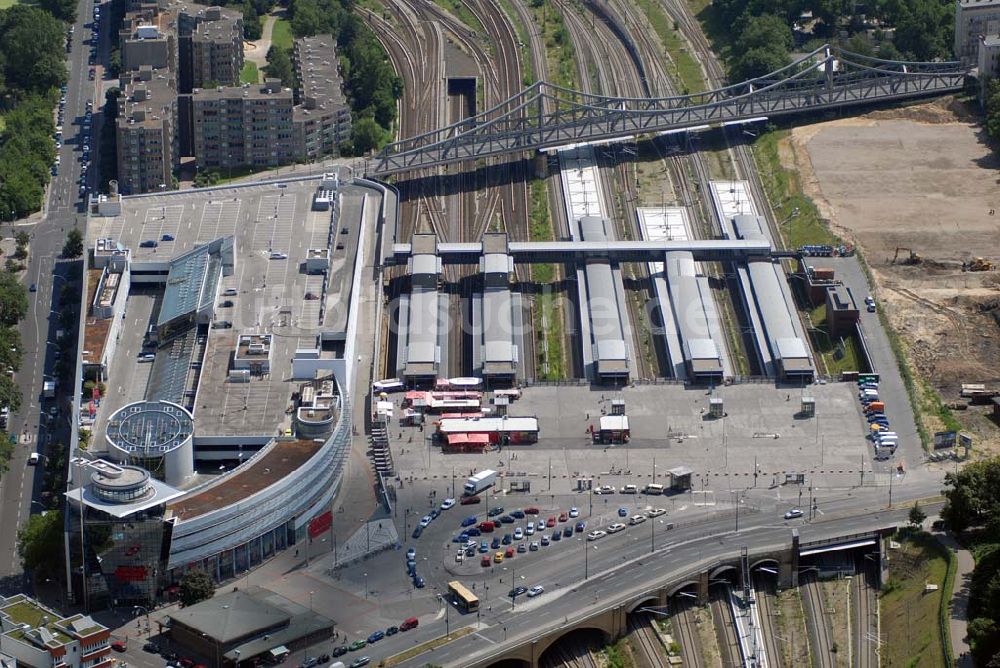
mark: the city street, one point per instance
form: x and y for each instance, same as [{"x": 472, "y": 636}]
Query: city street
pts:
[{"x": 63, "y": 210}]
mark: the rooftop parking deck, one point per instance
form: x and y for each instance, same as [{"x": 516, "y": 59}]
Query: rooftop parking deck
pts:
[{"x": 268, "y": 292}]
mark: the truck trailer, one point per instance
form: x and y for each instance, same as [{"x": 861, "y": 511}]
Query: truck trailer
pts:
[{"x": 480, "y": 481}]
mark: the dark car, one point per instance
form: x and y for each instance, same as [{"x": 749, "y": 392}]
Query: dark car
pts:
[
  {"x": 339, "y": 651},
  {"x": 507, "y": 519},
  {"x": 417, "y": 531},
  {"x": 148, "y": 243},
  {"x": 518, "y": 514},
  {"x": 222, "y": 324},
  {"x": 418, "y": 582},
  {"x": 167, "y": 237},
  {"x": 507, "y": 539},
  {"x": 226, "y": 304},
  {"x": 376, "y": 636},
  {"x": 557, "y": 535},
  {"x": 496, "y": 543},
  {"x": 470, "y": 500},
  {"x": 580, "y": 526},
  {"x": 33, "y": 288},
  {"x": 469, "y": 521},
  {"x": 356, "y": 645},
  {"x": 435, "y": 514},
  {"x": 151, "y": 648},
  {"x": 391, "y": 631},
  {"x": 531, "y": 511},
  {"x": 495, "y": 511},
  {"x": 470, "y": 551},
  {"x": 568, "y": 531},
  {"x": 517, "y": 591},
  {"x": 474, "y": 531}
]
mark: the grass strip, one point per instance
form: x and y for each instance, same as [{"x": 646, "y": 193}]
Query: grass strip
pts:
[{"x": 396, "y": 659}]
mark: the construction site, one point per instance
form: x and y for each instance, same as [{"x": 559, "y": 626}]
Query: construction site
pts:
[{"x": 915, "y": 190}]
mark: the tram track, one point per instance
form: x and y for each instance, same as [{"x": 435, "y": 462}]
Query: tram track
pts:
[
  {"x": 725, "y": 628},
  {"x": 764, "y": 586},
  {"x": 864, "y": 617}
]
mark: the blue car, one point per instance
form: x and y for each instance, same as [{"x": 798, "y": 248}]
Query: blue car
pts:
[
  {"x": 418, "y": 582},
  {"x": 474, "y": 531},
  {"x": 507, "y": 539},
  {"x": 375, "y": 637},
  {"x": 496, "y": 543},
  {"x": 484, "y": 547},
  {"x": 519, "y": 514},
  {"x": 469, "y": 521},
  {"x": 580, "y": 526},
  {"x": 623, "y": 512},
  {"x": 418, "y": 531}
]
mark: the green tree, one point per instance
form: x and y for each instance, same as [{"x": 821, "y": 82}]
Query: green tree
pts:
[
  {"x": 917, "y": 515},
  {"x": 366, "y": 135},
  {"x": 13, "y": 300},
  {"x": 10, "y": 393},
  {"x": 972, "y": 496},
  {"x": 40, "y": 543},
  {"x": 10, "y": 348},
  {"x": 756, "y": 63},
  {"x": 6, "y": 452},
  {"x": 765, "y": 31},
  {"x": 196, "y": 586},
  {"x": 279, "y": 66},
  {"x": 31, "y": 46},
  {"x": 74, "y": 244},
  {"x": 61, "y": 9},
  {"x": 992, "y": 104},
  {"x": 252, "y": 28}
]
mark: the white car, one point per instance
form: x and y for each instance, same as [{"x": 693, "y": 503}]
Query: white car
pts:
[
  {"x": 656, "y": 512},
  {"x": 275, "y": 255},
  {"x": 605, "y": 489},
  {"x": 518, "y": 533},
  {"x": 596, "y": 535},
  {"x": 425, "y": 520},
  {"x": 574, "y": 512},
  {"x": 793, "y": 513},
  {"x": 460, "y": 557},
  {"x": 530, "y": 530},
  {"x": 636, "y": 519},
  {"x": 535, "y": 591},
  {"x": 630, "y": 489},
  {"x": 616, "y": 527},
  {"x": 33, "y": 458},
  {"x": 471, "y": 543},
  {"x": 447, "y": 503}
]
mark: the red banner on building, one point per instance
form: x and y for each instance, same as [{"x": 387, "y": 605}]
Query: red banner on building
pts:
[
  {"x": 130, "y": 573},
  {"x": 320, "y": 523}
]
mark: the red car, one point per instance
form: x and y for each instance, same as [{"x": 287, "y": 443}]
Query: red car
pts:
[
  {"x": 186, "y": 662},
  {"x": 469, "y": 500},
  {"x": 487, "y": 526},
  {"x": 531, "y": 511},
  {"x": 485, "y": 561},
  {"x": 119, "y": 645},
  {"x": 510, "y": 553},
  {"x": 551, "y": 522},
  {"x": 563, "y": 517}
]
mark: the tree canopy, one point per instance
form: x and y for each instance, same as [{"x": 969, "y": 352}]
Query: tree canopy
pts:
[
  {"x": 992, "y": 104},
  {"x": 74, "y": 244},
  {"x": 13, "y": 299},
  {"x": 279, "y": 66},
  {"x": 196, "y": 586},
  {"x": 31, "y": 49},
  {"x": 40, "y": 543}
]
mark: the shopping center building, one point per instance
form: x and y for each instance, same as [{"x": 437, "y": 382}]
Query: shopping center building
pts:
[{"x": 217, "y": 417}]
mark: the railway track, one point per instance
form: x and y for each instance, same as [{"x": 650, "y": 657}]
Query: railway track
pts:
[
  {"x": 864, "y": 618},
  {"x": 820, "y": 636},
  {"x": 764, "y": 586},
  {"x": 725, "y": 628},
  {"x": 645, "y": 641},
  {"x": 686, "y": 634}
]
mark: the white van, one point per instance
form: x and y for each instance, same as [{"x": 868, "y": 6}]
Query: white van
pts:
[
  {"x": 531, "y": 529},
  {"x": 653, "y": 489},
  {"x": 883, "y": 435}
]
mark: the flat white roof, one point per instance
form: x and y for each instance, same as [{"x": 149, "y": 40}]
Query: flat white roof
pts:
[
  {"x": 614, "y": 423},
  {"x": 472, "y": 425}
]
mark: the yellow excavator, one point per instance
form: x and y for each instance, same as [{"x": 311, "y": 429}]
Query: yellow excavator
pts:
[
  {"x": 912, "y": 258},
  {"x": 979, "y": 264}
]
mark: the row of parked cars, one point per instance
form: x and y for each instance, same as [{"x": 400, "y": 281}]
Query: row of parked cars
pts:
[
  {"x": 374, "y": 637},
  {"x": 431, "y": 516},
  {"x": 636, "y": 519},
  {"x": 884, "y": 440}
]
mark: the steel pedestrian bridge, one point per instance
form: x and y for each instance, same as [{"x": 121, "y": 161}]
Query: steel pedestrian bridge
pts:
[{"x": 546, "y": 116}]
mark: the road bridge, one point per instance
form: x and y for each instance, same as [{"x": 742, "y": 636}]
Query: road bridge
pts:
[{"x": 546, "y": 116}]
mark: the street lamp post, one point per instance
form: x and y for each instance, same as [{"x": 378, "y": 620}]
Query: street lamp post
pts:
[{"x": 366, "y": 586}]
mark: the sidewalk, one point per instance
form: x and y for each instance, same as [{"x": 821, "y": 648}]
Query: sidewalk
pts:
[{"x": 959, "y": 599}]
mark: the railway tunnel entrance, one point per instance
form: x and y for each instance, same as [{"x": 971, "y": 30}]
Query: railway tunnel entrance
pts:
[{"x": 575, "y": 648}]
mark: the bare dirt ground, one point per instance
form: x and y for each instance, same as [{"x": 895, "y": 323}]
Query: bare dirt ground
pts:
[{"x": 921, "y": 178}]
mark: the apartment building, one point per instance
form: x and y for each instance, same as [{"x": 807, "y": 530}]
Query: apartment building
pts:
[
  {"x": 322, "y": 117},
  {"x": 974, "y": 19},
  {"x": 243, "y": 126},
  {"x": 143, "y": 42},
  {"x": 147, "y": 119},
  {"x": 38, "y": 637},
  {"x": 210, "y": 47}
]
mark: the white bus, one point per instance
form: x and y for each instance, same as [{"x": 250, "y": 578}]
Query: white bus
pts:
[{"x": 388, "y": 385}]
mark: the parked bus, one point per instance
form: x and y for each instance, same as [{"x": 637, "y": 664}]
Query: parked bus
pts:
[
  {"x": 388, "y": 385},
  {"x": 462, "y": 597},
  {"x": 511, "y": 394}
]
